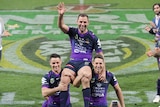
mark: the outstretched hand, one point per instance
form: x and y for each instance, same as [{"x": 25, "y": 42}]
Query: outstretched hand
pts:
[
  {"x": 147, "y": 28},
  {"x": 6, "y": 33},
  {"x": 61, "y": 8}
]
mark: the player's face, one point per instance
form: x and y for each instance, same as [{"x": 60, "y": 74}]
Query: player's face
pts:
[
  {"x": 55, "y": 64},
  {"x": 82, "y": 24},
  {"x": 156, "y": 9},
  {"x": 98, "y": 65}
]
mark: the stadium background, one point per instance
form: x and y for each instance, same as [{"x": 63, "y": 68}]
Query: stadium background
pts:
[{"x": 119, "y": 25}]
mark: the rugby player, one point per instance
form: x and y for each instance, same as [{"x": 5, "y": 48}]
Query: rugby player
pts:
[
  {"x": 99, "y": 88},
  {"x": 83, "y": 43},
  {"x": 50, "y": 89}
]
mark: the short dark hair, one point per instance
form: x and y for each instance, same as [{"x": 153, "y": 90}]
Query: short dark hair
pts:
[
  {"x": 98, "y": 56},
  {"x": 155, "y": 4},
  {"x": 82, "y": 15},
  {"x": 54, "y": 55}
]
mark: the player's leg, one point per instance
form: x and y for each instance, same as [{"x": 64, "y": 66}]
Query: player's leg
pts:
[
  {"x": 157, "y": 97},
  {"x": 77, "y": 81},
  {"x": 66, "y": 77},
  {"x": 86, "y": 74}
]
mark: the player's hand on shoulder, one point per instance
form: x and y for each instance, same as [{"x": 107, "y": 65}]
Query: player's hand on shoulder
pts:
[{"x": 102, "y": 77}]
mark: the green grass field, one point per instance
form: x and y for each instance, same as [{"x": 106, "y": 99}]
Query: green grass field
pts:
[{"x": 119, "y": 25}]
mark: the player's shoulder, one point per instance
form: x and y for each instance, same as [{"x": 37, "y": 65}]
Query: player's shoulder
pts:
[
  {"x": 91, "y": 33},
  {"x": 71, "y": 28},
  {"x": 46, "y": 75},
  {"x": 109, "y": 73}
]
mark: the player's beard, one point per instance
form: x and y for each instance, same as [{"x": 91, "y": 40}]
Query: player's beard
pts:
[
  {"x": 157, "y": 13},
  {"x": 56, "y": 69},
  {"x": 82, "y": 28}
]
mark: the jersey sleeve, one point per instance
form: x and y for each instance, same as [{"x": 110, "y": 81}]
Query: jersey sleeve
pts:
[
  {"x": 113, "y": 81},
  {"x": 72, "y": 31},
  {"x": 45, "y": 81},
  {"x": 97, "y": 45}
]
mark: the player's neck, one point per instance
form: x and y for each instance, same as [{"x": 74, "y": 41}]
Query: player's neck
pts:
[{"x": 83, "y": 32}]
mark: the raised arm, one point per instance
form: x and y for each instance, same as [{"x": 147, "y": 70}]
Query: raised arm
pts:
[
  {"x": 61, "y": 10},
  {"x": 5, "y": 33}
]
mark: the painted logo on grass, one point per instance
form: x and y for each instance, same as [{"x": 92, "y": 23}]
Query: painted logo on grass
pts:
[
  {"x": 24, "y": 55},
  {"x": 37, "y": 36}
]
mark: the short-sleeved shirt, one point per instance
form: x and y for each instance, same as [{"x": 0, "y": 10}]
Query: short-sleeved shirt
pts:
[
  {"x": 99, "y": 89},
  {"x": 83, "y": 44},
  {"x": 51, "y": 80}
]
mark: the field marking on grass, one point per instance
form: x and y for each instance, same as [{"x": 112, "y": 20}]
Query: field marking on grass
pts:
[
  {"x": 38, "y": 53},
  {"x": 117, "y": 26},
  {"x": 127, "y": 54},
  {"x": 8, "y": 99},
  {"x": 13, "y": 55},
  {"x": 130, "y": 97},
  {"x": 47, "y": 10},
  {"x": 142, "y": 63},
  {"x": 137, "y": 66},
  {"x": 26, "y": 60},
  {"x": 135, "y": 63}
]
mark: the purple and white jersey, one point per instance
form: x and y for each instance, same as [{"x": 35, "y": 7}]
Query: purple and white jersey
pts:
[
  {"x": 51, "y": 80},
  {"x": 83, "y": 44},
  {"x": 99, "y": 89}
]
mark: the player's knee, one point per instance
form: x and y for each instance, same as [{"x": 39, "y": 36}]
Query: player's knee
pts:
[
  {"x": 65, "y": 81},
  {"x": 68, "y": 75},
  {"x": 62, "y": 86},
  {"x": 85, "y": 79}
]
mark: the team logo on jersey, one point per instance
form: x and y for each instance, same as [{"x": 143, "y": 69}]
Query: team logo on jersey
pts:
[
  {"x": 52, "y": 80},
  {"x": 87, "y": 41},
  {"x": 99, "y": 84},
  {"x": 115, "y": 79},
  {"x": 57, "y": 79},
  {"x": 93, "y": 80},
  {"x": 86, "y": 63},
  {"x": 106, "y": 81},
  {"x": 76, "y": 37}
]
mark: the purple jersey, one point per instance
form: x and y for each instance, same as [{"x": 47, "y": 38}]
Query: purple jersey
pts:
[
  {"x": 51, "y": 80},
  {"x": 99, "y": 89},
  {"x": 83, "y": 44}
]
